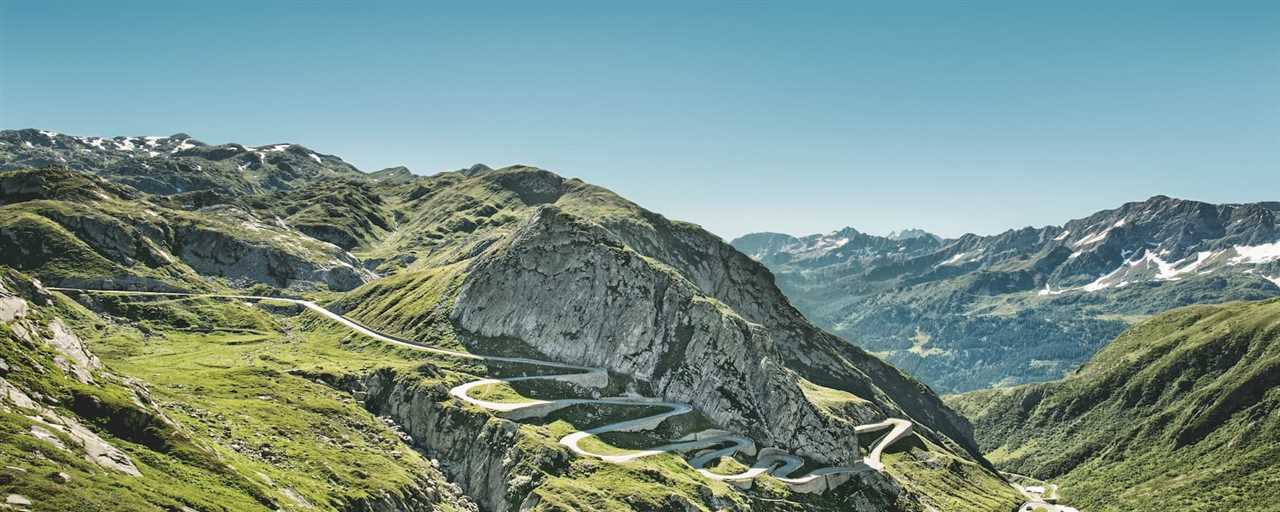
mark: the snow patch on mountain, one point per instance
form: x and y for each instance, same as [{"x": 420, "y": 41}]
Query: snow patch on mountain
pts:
[
  {"x": 1256, "y": 254},
  {"x": 183, "y": 146},
  {"x": 1102, "y": 283},
  {"x": 952, "y": 260},
  {"x": 1170, "y": 271},
  {"x": 1093, "y": 239}
]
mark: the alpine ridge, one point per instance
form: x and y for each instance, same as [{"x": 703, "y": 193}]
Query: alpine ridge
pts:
[{"x": 1029, "y": 304}]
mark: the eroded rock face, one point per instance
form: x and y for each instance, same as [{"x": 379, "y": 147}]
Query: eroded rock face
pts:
[
  {"x": 73, "y": 358},
  {"x": 720, "y": 271},
  {"x": 481, "y": 452},
  {"x": 213, "y": 252},
  {"x": 76, "y": 358},
  {"x": 574, "y": 292}
]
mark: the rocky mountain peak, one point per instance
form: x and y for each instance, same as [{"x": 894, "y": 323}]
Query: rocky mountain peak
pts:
[
  {"x": 172, "y": 165},
  {"x": 476, "y": 170},
  {"x": 910, "y": 233}
]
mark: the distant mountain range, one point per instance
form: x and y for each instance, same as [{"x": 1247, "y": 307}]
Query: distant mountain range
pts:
[
  {"x": 177, "y": 163},
  {"x": 1029, "y": 304}
]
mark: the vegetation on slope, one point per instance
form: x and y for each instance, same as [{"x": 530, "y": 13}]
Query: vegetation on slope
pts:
[
  {"x": 206, "y": 399},
  {"x": 54, "y": 220},
  {"x": 1178, "y": 412}
]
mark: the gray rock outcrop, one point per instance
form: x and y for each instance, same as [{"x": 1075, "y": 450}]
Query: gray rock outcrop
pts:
[{"x": 574, "y": 292}]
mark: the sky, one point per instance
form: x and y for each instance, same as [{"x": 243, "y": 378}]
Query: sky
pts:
[{"x": 787, "y": 116}]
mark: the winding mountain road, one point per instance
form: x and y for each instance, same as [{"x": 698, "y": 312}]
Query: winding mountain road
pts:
[{"x": 771, "y": 461}]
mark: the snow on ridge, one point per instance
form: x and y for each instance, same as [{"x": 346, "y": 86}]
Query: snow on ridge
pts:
[
  {"x": 317, "y": 159},
  {"x": 1093, "y": 239},
  {"x": 821, "y": 243},
  {"x": 277, "y": 148},
  {"x": 952, "y": 260},
  {"x": 49, "y": 134},
  {"x": 1256, "y": 254},
  {"x": 1062, "y": 236},
  {"x": 1101, "y": 282},
  {"x": 1172, "y": 271},
  {"x": 184, "y": 145},
  {"x": 1166, "y": 271},
  {"x": 1119, "y": 223},
  {"x": 1050, "y": 291}
]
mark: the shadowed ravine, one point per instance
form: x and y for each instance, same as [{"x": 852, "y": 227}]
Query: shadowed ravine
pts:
[{"x": 770, "y": 461}]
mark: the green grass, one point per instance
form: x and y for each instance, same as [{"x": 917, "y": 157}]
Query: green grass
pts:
[
  {"x": 946, "y": 482},
  {"x": 249, "y": 430},
  {"x": 661, "y": 482},
  {"x": 833, "y": 402},
  {"x": 727, "y": 466},
  {"x": 500, "y": 393},
  {"x": 1178, "y": 412}
]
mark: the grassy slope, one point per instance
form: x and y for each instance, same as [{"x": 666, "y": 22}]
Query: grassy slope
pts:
[
  {"x": 1178, "y": 412},
  {"x": 261, "y": 437},
  {"x": 233, "y": 383},
  {"x": 64, "y": 226}
]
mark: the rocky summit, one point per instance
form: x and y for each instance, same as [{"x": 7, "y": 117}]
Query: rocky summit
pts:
[
  {"x": 223, "y": 327},
  {"x": 1029, "y": 304}
]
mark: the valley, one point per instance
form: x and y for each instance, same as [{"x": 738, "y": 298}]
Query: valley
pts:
[{"x": 1180, "y": 411}]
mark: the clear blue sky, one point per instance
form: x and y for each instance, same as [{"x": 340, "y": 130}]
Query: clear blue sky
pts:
[{"x": 796, "y": 118}]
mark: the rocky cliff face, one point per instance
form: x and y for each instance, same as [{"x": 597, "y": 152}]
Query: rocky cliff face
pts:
[
  {"x": 587, "y": 277},
  {"x": 482, "y": 454},
  {"x": 574, "y": 293}
]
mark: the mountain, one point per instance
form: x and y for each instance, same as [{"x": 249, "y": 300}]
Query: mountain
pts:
[
  {"x": 907, "y": 234},
  {"x": 429, "y": 283},
  {"x": 846, "y": 249},
  {"x": 1181, "y": 411},
  {"x": 75, "y": 229},
  {"x": 1029, "y": 304},
  {"x": 173, "y": 164}
]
